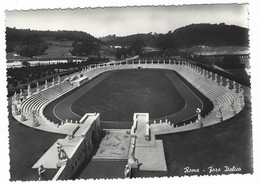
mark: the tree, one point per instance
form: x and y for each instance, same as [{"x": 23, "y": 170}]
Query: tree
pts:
[{"x": 26, "y": 64}]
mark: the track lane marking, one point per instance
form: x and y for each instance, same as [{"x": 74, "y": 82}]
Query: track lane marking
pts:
[{"x": 95, "y": 80}]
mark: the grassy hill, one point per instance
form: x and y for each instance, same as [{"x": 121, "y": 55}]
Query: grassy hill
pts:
[{"x": 30, "y": 43}]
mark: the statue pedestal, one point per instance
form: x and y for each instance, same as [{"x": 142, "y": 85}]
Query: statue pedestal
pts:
[
  {"x": 199, "y": 123},
  {"x": 233, "y": 111},
  {"x": 133, "y": 163},
  {"x": 61, "y": 162},
  {"x": 16, "y": 112},
  {"x": 29, "y": 94},
  {"x": 241, "y": 105},
  {"x": 35, "y": 123},
  {"x": 23, "y": 118},
  {"x": 219, "y": 118}
]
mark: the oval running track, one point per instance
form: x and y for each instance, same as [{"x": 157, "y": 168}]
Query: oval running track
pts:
[{"x": 60, "y": 109}]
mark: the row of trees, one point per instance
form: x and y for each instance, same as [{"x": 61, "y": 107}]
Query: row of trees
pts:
[
  {"x": 20, "y": 77},
  {"x": 134, "y": 49},
  {"x": 24, "y": 43}
]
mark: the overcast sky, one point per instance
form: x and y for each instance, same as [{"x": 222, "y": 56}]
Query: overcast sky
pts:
[{"x": 127, "y": 20}]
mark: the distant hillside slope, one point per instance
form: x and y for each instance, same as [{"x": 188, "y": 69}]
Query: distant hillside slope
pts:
[
  {"x": 208, "y": 34},
  {"x": 29, "y": 43},
  {"x": 146, "y": 39},
  {"x": 191, "y": 35}
]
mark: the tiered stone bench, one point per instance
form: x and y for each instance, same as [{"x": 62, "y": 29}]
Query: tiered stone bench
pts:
[{"x": 221, "y": 93}]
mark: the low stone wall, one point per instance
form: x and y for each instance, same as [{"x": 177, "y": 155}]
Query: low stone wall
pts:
[{"x": 83, "y": 140}]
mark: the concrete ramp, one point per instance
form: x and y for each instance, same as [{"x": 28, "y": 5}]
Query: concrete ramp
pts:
[
  {"x": 151, "y": 158},
  {"x": 149, "y": 152}
]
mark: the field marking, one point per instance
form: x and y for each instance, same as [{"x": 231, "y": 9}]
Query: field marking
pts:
[
  {"x": 192, "y": 91},
  {"x": 169, "y": 77},
  {"x": 171, "y": 71}
]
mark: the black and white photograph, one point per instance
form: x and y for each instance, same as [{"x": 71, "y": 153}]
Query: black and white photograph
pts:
[{"x": 129, "y": 92}]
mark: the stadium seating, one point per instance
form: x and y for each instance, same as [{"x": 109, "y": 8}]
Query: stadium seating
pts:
[
  {"x": 220, "y": 96},
  {"x": 37, "y": 100}
]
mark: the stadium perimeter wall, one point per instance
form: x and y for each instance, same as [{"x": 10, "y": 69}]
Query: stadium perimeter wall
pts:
[{"x": 185, "y": 69}]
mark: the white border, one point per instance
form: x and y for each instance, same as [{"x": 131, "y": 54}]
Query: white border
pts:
[{"x": 254, "y": 8}]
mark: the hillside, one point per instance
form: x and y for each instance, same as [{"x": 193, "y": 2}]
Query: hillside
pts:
[
  {"x": 62, "y": 44},
  {"x": 145, "y": 39},
  {"x": 194, "y": 34},
  {"x": 29, "y": 43}
]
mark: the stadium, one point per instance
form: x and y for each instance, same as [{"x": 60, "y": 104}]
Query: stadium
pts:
[{"x": 141, "y": 117}]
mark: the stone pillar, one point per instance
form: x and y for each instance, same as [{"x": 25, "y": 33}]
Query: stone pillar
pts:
[
  {"x": 234, "y": 86},
  {"x": 37, "y": 87},
  {"x": 46, "y": 84},
  {"x": 53, "y": 82},
  {"x": 227, "y": 83},
  {"x": 14, "y": 97},
  {"x": 232, "y": 108},
  {"x": 210, "y": 75},
  {"x": 220, "y": 80},
  {"x": 21, "y": 94},
  {"x": 199, "y": 122},
  {"x": 219, "y": 115},
  {"x": 241, "y": 100},
  {"x": 216, "y": 77},
  {"x": 14, "y": 109},
  {"x": 59, "y": 78},
  {"x": 35, "y": 122},
  {"x": 240, "y": 89},
  {"x": 29, "y": 91},
  {"x": 22, "y": 118}
]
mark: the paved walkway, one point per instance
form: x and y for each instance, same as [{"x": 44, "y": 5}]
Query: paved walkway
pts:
[
  {"x": 151, "y": 158},
  {"x": 150, "y": 153},
  {"x": 46, "y": 125},
  {"x": 50, "y": 157},
  {"x": 114, "y": 146}
]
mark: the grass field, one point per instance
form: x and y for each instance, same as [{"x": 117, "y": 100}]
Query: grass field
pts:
[
  {"x": 123, "y": 93},
  {"x": 117, "y": 95},
  {"x": 58, "y": 48}
]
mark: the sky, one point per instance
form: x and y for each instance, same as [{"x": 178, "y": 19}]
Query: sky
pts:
[{"x": 127, "y": 20}]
